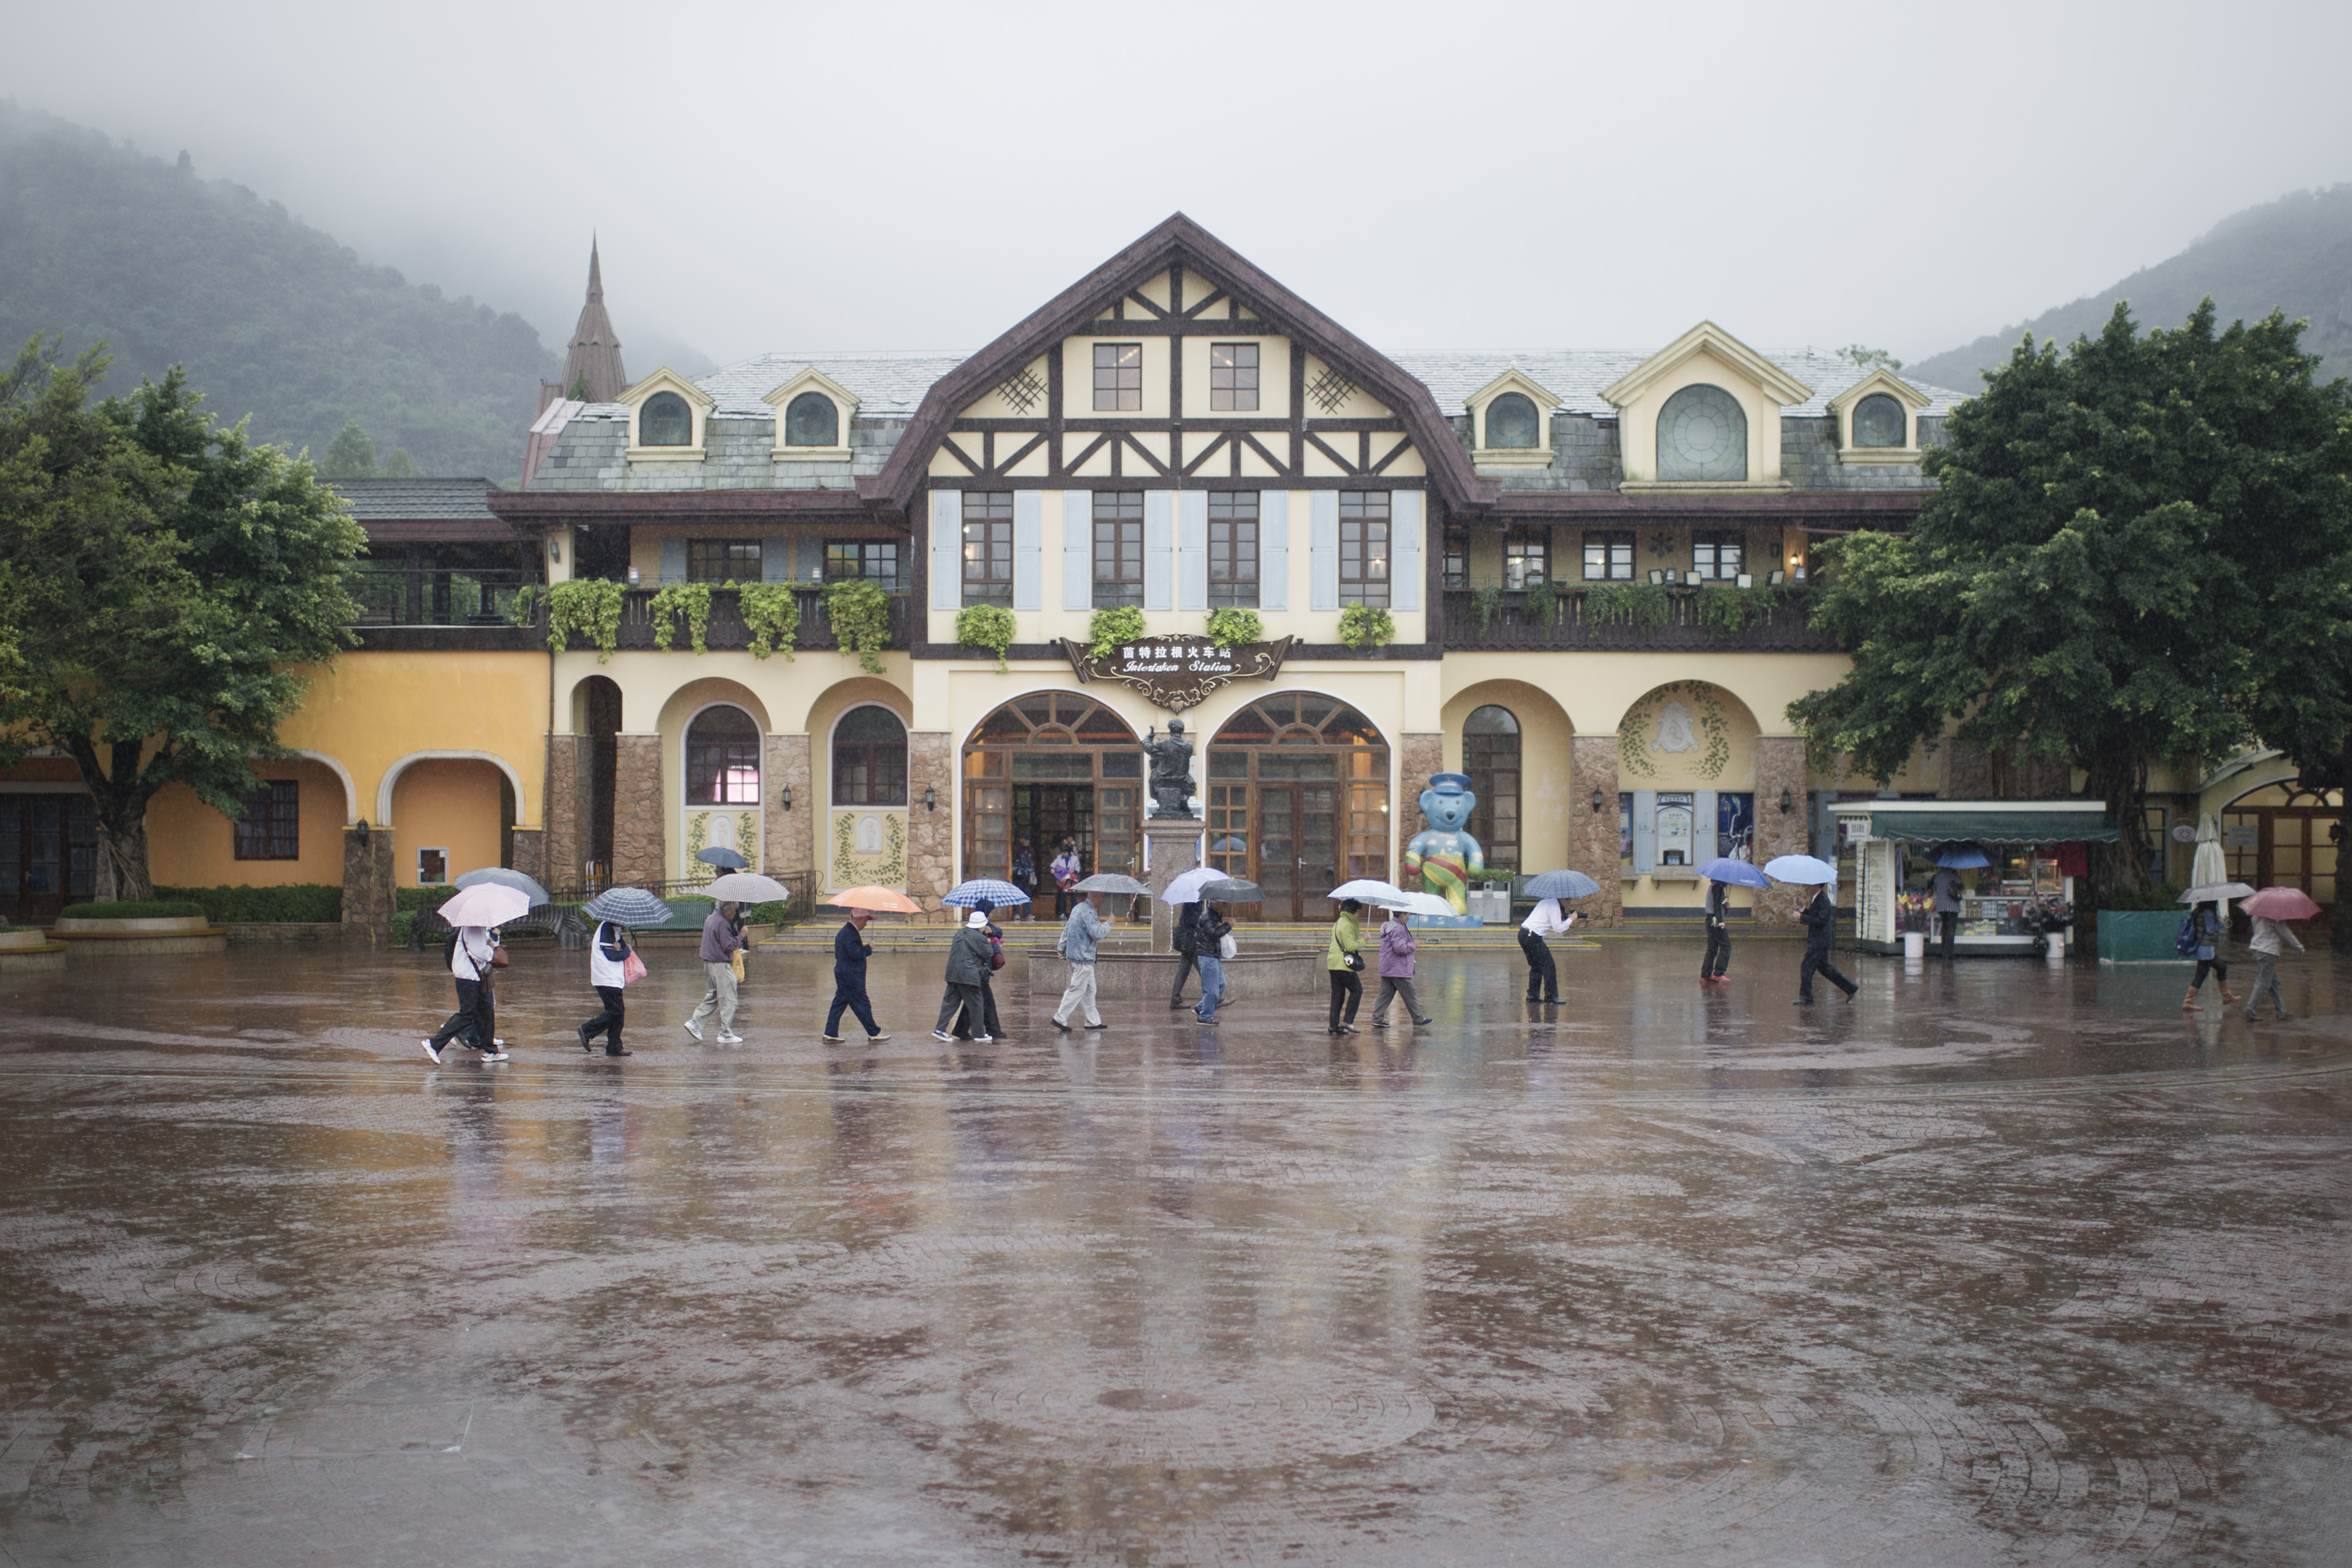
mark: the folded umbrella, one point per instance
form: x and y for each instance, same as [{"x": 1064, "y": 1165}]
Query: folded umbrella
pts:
[
  {"x": 1111, "y": 882},
  {"x": 1963, "y": 858},
  {"x": 1185, "y": 888},
  {"x": 746, "y": 887},
  {"x": 886, "y": 901},
  {"x": 1802, "y": 870},
  {"x": 500, "y": 877},
  {"x": 1370, "y": 891},
  {"x": 984, "y": 890},
  {"x": 1560, "y": 885},
  {"x": 486, "y": 904},
  {"x": 628, "y": 907},
  {"x": 2206, "y": 892},
  {"x": 1739, "y": 873},
  {"x": 2281, "y": 904},
  {"x": 718, "y": 855}
]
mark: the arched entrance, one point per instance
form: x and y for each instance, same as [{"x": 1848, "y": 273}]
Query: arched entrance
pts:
[
  {"x": 1299, "y": 800},
  {"x": 1490, "y": 755},
  {"x": 596, "y": 718},
  {"x": 2285, "y": 836},
  {"x": 1051, "y": 766},
  {"x": 722, "y": 788}
]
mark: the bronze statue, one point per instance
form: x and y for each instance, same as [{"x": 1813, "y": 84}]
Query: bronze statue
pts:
[{"x": 1171, "y": 770}]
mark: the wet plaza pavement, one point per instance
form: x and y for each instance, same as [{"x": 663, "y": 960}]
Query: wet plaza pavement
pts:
[{"x": 2000, "y": 1265}]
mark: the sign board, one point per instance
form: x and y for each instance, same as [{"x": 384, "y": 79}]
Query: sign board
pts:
[
  {"x": 2184, "y": 834},
  {"x": 1178, "y": 672}
]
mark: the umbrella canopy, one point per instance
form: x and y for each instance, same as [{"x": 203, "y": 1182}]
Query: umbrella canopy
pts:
[
  {"x": 887, "y": 901},
  {"x": 629, "y": 907},
  {"x": 986, "y": 890},
  {"x": 1802, "y": 870},
  {"x": 1560, "y": 885},
  {"x": 1428, "y": 904},
  {"x": 500, "y": 876},
  {"x": 1111, "y": 882},
  {"x": 746, "y": 887},
  {"x": 1739, "y": 873},
  {"x": 486, "y": 904},
  {"x": 2209, "y": 864},
  {"x": 721, "y": 855},
  {"x": 1963, "y": 858},
  {"x": 1370, "y": 891},
  {"x": 1186, "y": 886},
  {"x": 1231, "y": 890},
  {"x": 2281, "y": 904},
  {"x": 2206, "y": 892}
]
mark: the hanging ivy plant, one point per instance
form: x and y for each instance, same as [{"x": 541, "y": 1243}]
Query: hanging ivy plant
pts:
[
  {"x": 1232, "y": 629},
  {"x": 988, "y": 626},
  {"x": 691, "y": 600},
  {"x": 1727, "y": 611},
  {"x": 588, "y": 608},
  {"x": 860, "y": 613},
  {"x": 772, "y": 613},
  {"x": 1543, "y": 605},
  {"x": 1484, "y": 606},
  {"x": 1109, "y": 628},
  {"x": 1365, "y": 626},
  {"x": 1645, "y": 605}
]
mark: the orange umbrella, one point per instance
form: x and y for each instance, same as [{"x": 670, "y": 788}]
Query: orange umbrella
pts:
[
  {"x": 2281, "y": 904},
  {"x": 882, "y": 900}
]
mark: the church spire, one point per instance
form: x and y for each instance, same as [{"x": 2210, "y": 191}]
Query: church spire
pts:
[{"x": 592, "y": 367}]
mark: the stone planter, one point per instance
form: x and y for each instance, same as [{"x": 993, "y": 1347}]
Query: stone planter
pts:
[
  {"x": 1133, "y": 975},
  {"x": 28, "y": 951},
  {"x": 2139, "y": 936},
  {"x": 173, "y": 934}
]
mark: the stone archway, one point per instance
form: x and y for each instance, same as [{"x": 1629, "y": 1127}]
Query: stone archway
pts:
[{"x": 1050, "y": 766}]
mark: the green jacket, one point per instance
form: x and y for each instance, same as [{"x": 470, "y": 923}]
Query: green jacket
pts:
[{"x": 1346, "y": 938}]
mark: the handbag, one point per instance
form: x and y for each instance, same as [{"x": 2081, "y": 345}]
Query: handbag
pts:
[
  {"x": 633, "y": 968},
  {"x": 736, "y": 962},
  {"x": 996, "y": 956},
  {"x": 498, "y": 958},
  {"x": 1227, "y": 946},
  {"x": 1355, "y": 961}
]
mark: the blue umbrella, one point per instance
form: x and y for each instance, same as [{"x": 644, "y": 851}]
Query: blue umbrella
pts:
[
  {"x": 1739, "y": 873},
  {"x": 721, "y": 855},
  {"x": 1963, "y": 858},
  {"x": 985, "y": 890},
  {"x": 1802, "y": 870},
  {"x": 628, "y": 906},
  {"x": 1560, "y": 885}
]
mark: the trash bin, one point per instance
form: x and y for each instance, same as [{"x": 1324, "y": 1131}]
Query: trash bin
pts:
[{"x": 1915, "y": 944}]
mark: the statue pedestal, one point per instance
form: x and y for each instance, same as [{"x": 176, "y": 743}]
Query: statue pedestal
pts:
[{"x": 1175, "y": 850}]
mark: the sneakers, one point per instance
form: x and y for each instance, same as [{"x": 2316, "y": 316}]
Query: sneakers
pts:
[
  {"x": 983, "y": 1040},
  {"x": 494, "y": 1055},
  {"x": 875, "y": 1039},
  {"x": 729, "y": 1037},
  {"x": 830, "y": 1039},
  {"x": 1066, "y": 1028},
  {"x": 693, "y": 1028},
  {"x": 1097, "y": 1026},
  {"x": 431, "y": 1049},
  {"x": 943, "y": 1036},
  {"x": 1424, "y": 1023}
]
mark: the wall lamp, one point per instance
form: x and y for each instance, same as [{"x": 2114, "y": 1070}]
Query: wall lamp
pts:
[
  {"x": 1786, "y": 800},
  {"x": 930, "y": 798},
  {"x": 788, "y": 797},
  {"x": 555, "y": 550},
  {"x": 1598, "y": 801}
]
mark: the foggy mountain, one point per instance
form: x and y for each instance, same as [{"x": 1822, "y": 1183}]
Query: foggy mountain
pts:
[
  {"x": 2293, "y": 254},
  {"x": 270, "y": 317}
]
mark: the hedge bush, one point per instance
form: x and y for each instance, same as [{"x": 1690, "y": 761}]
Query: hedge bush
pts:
[
  {"x": 148, "y": 909},
  {"x": 416, "y": 898},
  {"x": 306, "y": 902},
  {"x": 404, "y": 926}
]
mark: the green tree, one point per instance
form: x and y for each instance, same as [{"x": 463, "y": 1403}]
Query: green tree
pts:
[
  {"x": 2121, "y": 536},
  {"x": 398, "y": 466},
  {"x": 1865, "y": 358},
  {"x": 352, "y": 455},
  {"x": 170, "y": 585}
]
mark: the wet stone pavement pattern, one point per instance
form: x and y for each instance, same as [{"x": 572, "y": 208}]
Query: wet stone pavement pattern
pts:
[{"x": 2005, "y": 1265}]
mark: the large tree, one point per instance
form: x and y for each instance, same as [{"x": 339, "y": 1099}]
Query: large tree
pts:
[
  {"x": 170, "y": 585},
  {"x": 2138, "y": 553}
]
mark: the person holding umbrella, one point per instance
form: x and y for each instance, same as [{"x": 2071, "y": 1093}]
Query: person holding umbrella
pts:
[
  {"x": 1397, "y": 948},
  {"x": 1345, "y": 960},
  {"x": 1079, "y": 944},
  {"x": 473, "y": 953},
  {"x": 2271, "y": 909},
  {"x": 1547, "y": 920},
  {"x": 1723, "y": 874},
  {"x": 967, "y": 966},
  {"x": 1188, "y": 916},
  {"x": 613, "y": 960},
  {"x": 850, "y": 952},
  {"x": 719, "y": 946},
  {"x": 1209, "y": 933},
  {"x": 1944, "y": 891},
  {"x": 2205, "y": 927}
]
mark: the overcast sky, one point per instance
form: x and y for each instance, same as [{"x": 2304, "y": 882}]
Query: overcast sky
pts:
[{"x": 794, "y": 176}]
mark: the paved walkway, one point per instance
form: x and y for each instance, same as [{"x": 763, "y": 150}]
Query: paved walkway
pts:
[{"x": 2004, "y": 1265}]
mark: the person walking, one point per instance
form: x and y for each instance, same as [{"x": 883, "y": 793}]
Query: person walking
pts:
[
  {"x": 850, "y": 952},
  {"x": 1209, "y": 934},
  {"x": 1820, "y": 917},
  {"x": 1081, "y": 937},
  {"x": 1396, "y": 972},
  {"x": 1544, "y": 921},
  {"x": 985, "y": 1023},
  {"x": 1944, "y": 891},
  {"x": 1186, "y": 960},
  {"x": 608, "y": 958},
  {"x": 2206, "y": 921},
  {"x": 472, "y": 954},
  {"x": 1025, "y": 876},
  {"x": 1712, "y": 968},
  {"x": 1345, "y": 960},
  {"x": 719, "y": 946},
  {"x": 968, "y": 957},
  {"x": 1067, "y": 872},
  {"x": 2264, "y": 946}
]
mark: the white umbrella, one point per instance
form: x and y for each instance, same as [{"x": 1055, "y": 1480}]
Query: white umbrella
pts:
[
  {"x": 1186, "y": 888},
  {"x": 485, "y": 904},
  {"x": 1801, "y": 870},
  {"x": 1425, "y": 904},
  {"x": 2209, "y": 865},
  {"x": 746, "y": 887},
  {"x": 1371, "y": 890}
]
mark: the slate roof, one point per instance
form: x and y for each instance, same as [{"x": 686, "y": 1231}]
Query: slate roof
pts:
[
  {"x": 887, "y": 385},
  {"x": 423, "y": 510},
  {"x": 1576, "y": 376}
]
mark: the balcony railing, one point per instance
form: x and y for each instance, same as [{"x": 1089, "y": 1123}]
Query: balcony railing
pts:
[
  {"x": 430, "y": 596},
  {"x": 728, "y": 633},
  {"x": 1656, "y": 617}
]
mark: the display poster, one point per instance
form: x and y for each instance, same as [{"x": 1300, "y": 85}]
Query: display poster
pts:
[{"x": 1676, "y": 830}]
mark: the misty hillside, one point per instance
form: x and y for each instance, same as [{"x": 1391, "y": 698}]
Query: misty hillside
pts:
[
  {"x": 2293, "y": 254},
  {"x": 270, "y": 317}
]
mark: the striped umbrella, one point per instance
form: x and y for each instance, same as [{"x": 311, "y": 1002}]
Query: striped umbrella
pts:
[
  {"x": 1560, "y": 885},
  {"x": 985, "y": 890},
  {"x": 628, "y": 907}
]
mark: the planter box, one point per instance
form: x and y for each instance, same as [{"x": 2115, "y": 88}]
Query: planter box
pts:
[
  {"x": 186, "y": 934},
  {"x": 2139, "y": 936},
  {"x": 23, "y": 950}
]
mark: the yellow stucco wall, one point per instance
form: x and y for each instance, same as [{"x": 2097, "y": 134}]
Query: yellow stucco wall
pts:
[
  {"x": 372, "y": 712},
  {"x": 446, "y": 803},
  {"x": 1546, "y": 790},
  {"x": 189, "y": 845}
]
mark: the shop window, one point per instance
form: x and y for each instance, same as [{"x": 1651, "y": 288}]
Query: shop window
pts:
[
  {"x": 664, "y": 420},
  {"x": 271, "y": 828},
  {"x": 1232, "y": 377},
  {"x": 724, "y": 560},
  {"x": 1364, "y": 548},
  {"x": 1457, "y": 555},
  {"x": 1626, "y": 833},
  {"x": 1879, "y": 421},
  {"x": 1233, "y": 549},
  {"x": 987, "y": 547},
  {"x": 869, "y": 758},
  {"x": 1119, "y": 377},
  {"x": 1490, "y": 755},
  {"x": 811, "y": 420},
  {"x": 1702, "y": 434},
  {"x": 1718, "y": 556},
  {"x": 1608, "y": 557},
  {"x": 1512, "y": 422},
  {"x": 722, "y": 758},
  {"x": 1527, "y": 556},
  {"x": 1735, "y": 825},
  {"x": 867, "y": 560}
]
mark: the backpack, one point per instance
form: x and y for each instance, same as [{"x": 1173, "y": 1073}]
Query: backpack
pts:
[
  {"x": 2184, "y": 941},
  {"x": 449, "y": 952}
]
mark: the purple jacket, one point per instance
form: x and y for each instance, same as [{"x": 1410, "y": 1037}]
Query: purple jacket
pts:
[{"x": 1396, "y": 951}]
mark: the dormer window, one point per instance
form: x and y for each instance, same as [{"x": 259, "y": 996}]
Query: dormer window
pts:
[
  {"x": 811, "y": 420},
  {"x": 1512, "y": 422},
  {"x": 665, "y": 420},
  {"x": 1508, "y": 422},
  {"x": 1702, "y": 435},
  {"x": 1880, "y": 421},
  {"x": 1877, "y": 420}
]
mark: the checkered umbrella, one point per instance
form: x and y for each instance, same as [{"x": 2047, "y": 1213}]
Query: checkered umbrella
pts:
[
  {"x": 628, "y": 907},
  {"x": 1560, "y": 885},
  {"x": 985, "y": 890}
]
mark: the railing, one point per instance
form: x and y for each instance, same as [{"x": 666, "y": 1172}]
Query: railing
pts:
[
  {"x": 436, "y": 596},
  {"x": 727, "y": 631},
  {"x": 561, "y": 918},
  {"x": 1661, "y": 617}
]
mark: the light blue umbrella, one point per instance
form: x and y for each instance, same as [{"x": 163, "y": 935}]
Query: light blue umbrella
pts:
[
  {"x": 1802, "y": 870},
  {"x": 501, "y": 877},
  {"x": 629, "y": 907},
  {"x": 1739, "y": 873},
  {"x": 985, "y": 890},
  {"x": 1963, "y": 858},
  {"x": 726, "y": 859},
  {"x": 1560, "y": 885}
]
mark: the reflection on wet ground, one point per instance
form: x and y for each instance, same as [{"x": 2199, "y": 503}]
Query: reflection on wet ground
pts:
[{"x": 2006, "y": 1265}]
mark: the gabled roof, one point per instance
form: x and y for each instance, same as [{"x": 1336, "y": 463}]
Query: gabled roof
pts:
[
  {"x": 1577, "y": 376},
  {"x": 396, "y": 512},
  {"x": 1709, "y": 339},
  {"x": 1178, "y": 239}
]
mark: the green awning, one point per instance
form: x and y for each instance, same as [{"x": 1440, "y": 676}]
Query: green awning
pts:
[{"x": 1995, "y": 826}]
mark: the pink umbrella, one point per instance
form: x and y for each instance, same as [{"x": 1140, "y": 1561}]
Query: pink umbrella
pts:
[
  {"x": 486, "y": 904},
  {"x": 2281, "y": 904}
]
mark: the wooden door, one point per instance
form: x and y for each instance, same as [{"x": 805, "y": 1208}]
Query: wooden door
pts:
[
  {"x": 1276, "y": 847},
  {"x": 1319, "y": 850}
]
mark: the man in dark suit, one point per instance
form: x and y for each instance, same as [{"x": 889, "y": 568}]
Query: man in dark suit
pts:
[
  {"x": 850, "y": 952},
  {"x": 1821, "y": 925}
]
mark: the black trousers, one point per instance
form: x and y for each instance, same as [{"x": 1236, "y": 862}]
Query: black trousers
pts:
[
  {"x": 1187, "y": 965},
  {"x": 608, "y": 1022},
  {"x": 1817, "y": 962},
  {"x": 1948, "y": 926},
  {"x": 1346, "y": 986},
  {"x": 1718, "y": 952},
  {"x": 476, "y": 1017},
  {"x": 1543, "y": 974},
  {"x": 850, "y": 994},
  {"x": 2218, "y": 968}
]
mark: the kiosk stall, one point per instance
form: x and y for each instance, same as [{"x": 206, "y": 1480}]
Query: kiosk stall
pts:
[{"x": 2035, "y": 848}]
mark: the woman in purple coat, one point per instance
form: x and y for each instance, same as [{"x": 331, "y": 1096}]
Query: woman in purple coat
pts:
[{"x": 1396, "y": 972}]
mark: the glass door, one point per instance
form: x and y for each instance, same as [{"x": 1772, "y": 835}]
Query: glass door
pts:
[
  {"x": 1278, "y": 851},
  {"x": 1318, "y": 851}
]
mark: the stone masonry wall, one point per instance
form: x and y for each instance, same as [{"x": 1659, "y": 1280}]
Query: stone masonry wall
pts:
[
  {"x": 1781, "y": 766},
  {"x": 931, "y": 842},
  {"x": 639, "y": 855},
  {"x": 791, "y": 835},
  {"x": 566, "y": 830},
  {"x": 1417, "y": 758},
  {"x": 1593, "y": 835},
  {"x": 367, "y": 885}
]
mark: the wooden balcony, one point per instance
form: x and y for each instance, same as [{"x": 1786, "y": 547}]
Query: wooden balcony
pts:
[
  {"x": 1651, "y": 617},
  {"x": 727, "y": 632}
]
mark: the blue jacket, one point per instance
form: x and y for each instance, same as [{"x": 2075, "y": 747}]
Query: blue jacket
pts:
[
  {"x": 849, "y": 951},
  {"x": 1082, "y": 933}
]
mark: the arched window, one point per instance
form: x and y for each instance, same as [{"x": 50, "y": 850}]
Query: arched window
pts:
[
  {"x": 664, "y": 420},
  {"x": 811, "y": 420},
  {"x": 1052, "y": 767},
  {"x": 869, "y": 758},
  {"x": 1702, "y": 434},
  {"x": 722, "y": 758},
  {"x": 1511, "y": 421},
  {"x": 1490, "y": 755},
  {"x": 1297, "y": 798},
  {"x": 1878, "y": 421}
]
